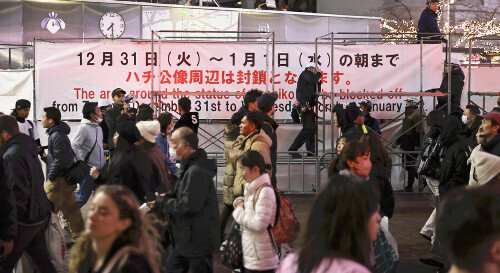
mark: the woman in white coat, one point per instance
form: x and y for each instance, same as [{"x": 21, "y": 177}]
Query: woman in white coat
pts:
[{"x": 255, "y": 212}]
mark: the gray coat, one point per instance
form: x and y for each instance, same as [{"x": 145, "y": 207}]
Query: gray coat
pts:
[{"x": 84, "y": 139}]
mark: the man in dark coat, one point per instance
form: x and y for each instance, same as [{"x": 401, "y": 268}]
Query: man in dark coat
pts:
[
  {"x": 370, "y": 121},
  {"x": 428, "y": 23},
  {"x": 59, "y": 160},
  {"x": 410, "y": 140},
  {"x": 457, "y": 85},
  {"x": 472, "y": 122},
  {"x": 187, "y": 118},
  {"x": 454, "y": 174},
  {"x": 24, "y": 224},
  {"x": 269, "y": 125},
  {"x": 308, "y": 84},
  {"x": 111, "y": 115},
  {"x": 193, "y": 207}
]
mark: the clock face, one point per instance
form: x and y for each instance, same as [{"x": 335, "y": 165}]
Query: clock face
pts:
[{"x": 112, "y": 25}]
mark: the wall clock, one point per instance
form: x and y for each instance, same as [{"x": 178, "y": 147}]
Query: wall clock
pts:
[{"x": 112, "y": 25}]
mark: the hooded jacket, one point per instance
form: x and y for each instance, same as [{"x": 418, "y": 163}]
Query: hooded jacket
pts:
[
  {"x": 256, "y": 141},
  {"x": 269, "y": 126},
  {"x": 306, "y": 87},
  {"x": 457, "y": 84},
  {"x": 24, "y": 175},
  {"x": 254, "y": 218},
  {"x": 454, "y": 170},
  {"x": 83, "y": 140},
  {"x": 193, "y": 207},
  {"x": 60, "y": 154},
  {"x": 231, "y": 132}
]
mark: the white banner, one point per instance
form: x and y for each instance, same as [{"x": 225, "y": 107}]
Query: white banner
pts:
[
  {"x": 69, "y": 74},
  {"x": 483, "y": 79},
  {"x": 16, "y": 84}
]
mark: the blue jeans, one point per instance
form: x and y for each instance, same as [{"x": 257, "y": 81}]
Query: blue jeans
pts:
[{"x": 86, "y": 188}]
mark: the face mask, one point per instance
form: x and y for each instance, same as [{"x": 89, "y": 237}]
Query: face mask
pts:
[
  {"x": 99, "y": 120},
  {"x": 464, "y": 120},
  {"x": 172, "y": 152}
]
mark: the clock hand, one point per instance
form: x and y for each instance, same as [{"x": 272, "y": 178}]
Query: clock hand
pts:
[{"x": 111, "y": 26}]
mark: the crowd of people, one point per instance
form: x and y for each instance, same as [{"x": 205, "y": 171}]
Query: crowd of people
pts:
[{"x": 155, "y": 207}]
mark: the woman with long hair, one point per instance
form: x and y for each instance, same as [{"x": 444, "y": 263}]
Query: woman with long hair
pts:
[
  {"x": 354, "y": 161},
  {"x": 380, "y": 173},
  {"x": 255, "y": 212},
  {"x": 118, "y": 236},
  {"x": 343, "y": 222}
]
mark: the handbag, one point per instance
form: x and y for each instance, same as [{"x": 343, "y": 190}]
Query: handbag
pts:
[
  {"x": 232, "y": 249},
  {"x": 56, "y": 245},
  {"x": 80, "y": 169}
]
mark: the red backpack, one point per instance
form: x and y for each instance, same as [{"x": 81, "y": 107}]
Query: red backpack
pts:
[{"x": 286, "y": 226}]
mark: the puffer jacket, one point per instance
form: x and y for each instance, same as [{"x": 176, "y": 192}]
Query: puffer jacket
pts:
[
  {"x": 230, "y": 135},
  {"x": 257, "y": 245},
  {"x": 60, "y": 154},
  {"x": 454, "y": 163},
  {"x": 257, "y": 141},
  {"x": 430, "y": 161}
]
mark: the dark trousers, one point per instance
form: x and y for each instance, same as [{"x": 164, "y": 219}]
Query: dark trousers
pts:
[
  {"x": 32, "y": 240},
  {"x": 306, "y": 135},
  {"x": 244, "y": 270},
  {"x": 409, "y": 163},
  {"x": 182, "y": 264},
  {"x": 225, "y": 215}
]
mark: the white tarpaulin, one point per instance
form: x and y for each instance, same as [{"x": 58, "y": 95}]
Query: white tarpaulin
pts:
[
  {"x": 483, "y": 79},
  {"x": 16, "y": 84},
  {"x": 69, "y": 74}
]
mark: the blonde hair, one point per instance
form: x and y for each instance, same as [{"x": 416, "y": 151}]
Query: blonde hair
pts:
[{"x": 141, "y": 235}]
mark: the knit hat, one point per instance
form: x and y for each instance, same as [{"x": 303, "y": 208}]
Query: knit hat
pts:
[
  {"x": 149, "y": 129},
  {"x": 485, "y": 166}
]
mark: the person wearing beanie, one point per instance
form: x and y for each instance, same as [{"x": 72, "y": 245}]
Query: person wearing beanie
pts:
[
  {"x": 485, "y": 167},
  {"x": 128, "y": 165},
  {"x": 149, "y": 130},
  {"x": 21, "y": 112}
]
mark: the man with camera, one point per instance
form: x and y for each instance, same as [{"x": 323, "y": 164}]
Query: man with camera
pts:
[{"x": 117, "y": 109}]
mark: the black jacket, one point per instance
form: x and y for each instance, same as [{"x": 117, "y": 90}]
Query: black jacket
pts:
[
  {"x": 24, "y": 175},
  {"x": 492, "y": 146},
  {"x": 454, "y": 168},
  {"x": 8, "y": 213},
  {"x": 193, "y": 207},
  {"x": 372, "y": 123},
  {"x": 269, "y": 126},
  {"x": 380, "y": 180},
  {"x": 110, "y": 118},
  {"x": 189, "y": 119},
  {"x": 131, "y": 168},
  {"x": 60, "y": 154},
  {"x": 469, "y": 133},
  {"x": 105, "y": 130},
  {"x": 306, "y": 87},
  {"x": 430, "y": 158},
  {"x": 134, "y": 263},
  {"x": 457, "y": 84}
]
